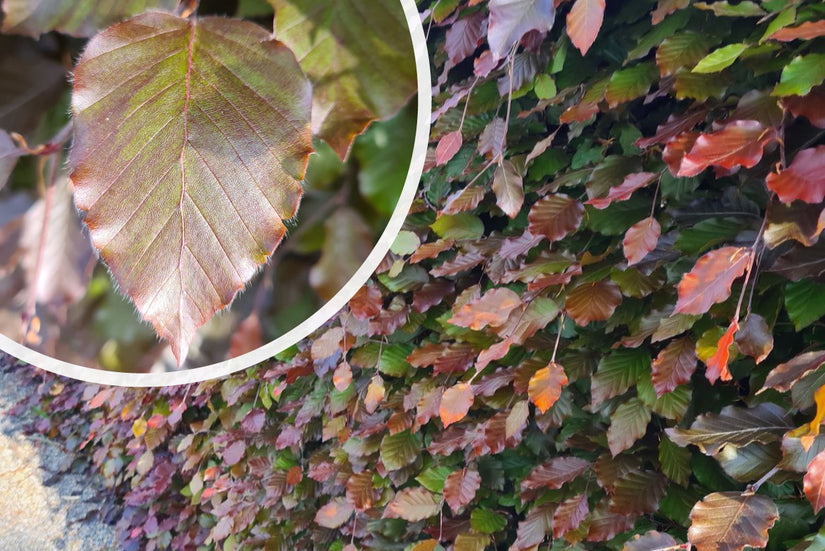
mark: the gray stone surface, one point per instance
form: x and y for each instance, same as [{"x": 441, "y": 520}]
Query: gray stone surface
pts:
[{"x": 42, "y": 509}]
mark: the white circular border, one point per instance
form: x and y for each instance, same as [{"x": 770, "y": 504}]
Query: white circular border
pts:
[{"x": 327, "y": 311}]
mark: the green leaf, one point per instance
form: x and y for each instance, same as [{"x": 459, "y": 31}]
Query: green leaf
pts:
[
  {"x": 486, "y": 521},
  {"x": 83, "y": 18},
  {"x": 749, "y": 463},
  {"x": 545, "y": 86},
  {"x": 433, "y": 478},
  {"x": 804, "y": 302},
  {"x": 458, "y": 226},
  {"x": 706, "y": 234},
  {"x": 675, "y": 461},
  {"x": 629, "y": 84},
  {"x": 720, "y": 59},
  {"x": 746, "y": 8},
  {"x": 627, "y": 424},
  {"x": 370, "y": 52},
  {"x": 400, "y": 449},
  {"x": 187, "y": 173},
  {"x": 800, "y": 75},
  {"x": 393, "y": 360},
  {"x": 617, "y": 372},
  {"x": 406, "y": 243}
]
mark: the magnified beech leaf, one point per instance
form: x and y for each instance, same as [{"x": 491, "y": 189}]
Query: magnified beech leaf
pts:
[
  {"x": 83, "y": 18},
  {"x": 358, "y": 55},
  {"x": 729, "y": 521},
  {"x": 191, "y": 138}
]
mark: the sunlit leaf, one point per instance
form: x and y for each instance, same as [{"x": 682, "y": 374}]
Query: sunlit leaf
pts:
[
  {"x": 800, "y": 75},
  {"x": 640, "y": 239},
  {"x": 814, "y": 482},
  {"x": 150, "y": 153},
  {"x": 583, "y": 23},
  {"x": 711, "y": 278},
  {"x": 674, "y": 365},
  {"x": 334, "y": 514},
  {"x": 460, "y": 488},
  {"x": 720, "y": 59},
  {"x": 510, "y": 20},
  {"x": 593, "y": 301},
  {"x": 783, "y": 376},
  {"x": 729, "y": 521},
  {"x": 739, "y": 143},
  {"x": 455, "y": 403},
  {"x": 803, "y": 180},
  {"x": 509, "y": 189},
  {"x": 718, "y": 363},
  {"x": 545, "y": 386},
  {"x": 412, "y": 504},
  {"x": 492, "y": 308}
]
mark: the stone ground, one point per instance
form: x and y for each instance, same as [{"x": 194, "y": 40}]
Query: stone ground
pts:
[{"x": 42, "y": 508}]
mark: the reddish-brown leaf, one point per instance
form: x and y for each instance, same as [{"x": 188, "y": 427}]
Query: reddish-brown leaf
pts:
[
  {"x": 814, "y": 482},
  {"x": 711, "y": 278},
  {"x": 583, "y": 23},
  {"x": 623, "y": 191},
  {"x": 366, "y": 303},
  {"x": 638, "y": 492},
  {"x": 342, "y": 377},
  {"x": 811, "y": 106},
  {"x": 739, "y": 143},
  {"x": 375, "y": 394},
  {"x": 430, "y": 250},
  {"x": 534, "y": 528},
  {"x": 509, "y": 189},
  {"x": 460, "y": 488},
  {"x": 665, "y": 8},
  {"x": 718, "y": 363},
  {"x": 492, "y": 138},
  {"x": 360, "y": 490},
  {"x": 555, "y": 473},
  {"x": 674, "y": 365},
  {"x": 803, "y": 180},
  {"x": 493, "y": 308},
  {"x": 806, "y": 31},
  {"x": 464, "y": 199},
  {"x": 730, "y": 521},
  {"x": 676, "y": 149},
  {"x": 604, "y": 525},
  {"x": 464, "y": 36},
  {"x": 511, "y": 20},
  {"x": 641, "y": 238},
  {"x": 334, "y": 514},
  {"x": 754, "y": 338},
  {"x": 581, "y": 112},
  {"x": 675, "y": 125},
  {"x": 448, "y": 146},
  {"x": 594, "y": 301},
  {"x": 455, "y": 403},
  {"x": 545, "y": 386},
  {"x": 783, "y": 376},
  {"x": 569, "y": 515},
  {"x": 247, "y": 337}
]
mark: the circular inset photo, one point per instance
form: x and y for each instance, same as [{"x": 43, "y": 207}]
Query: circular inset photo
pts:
[{"x": 190, "y": 188}]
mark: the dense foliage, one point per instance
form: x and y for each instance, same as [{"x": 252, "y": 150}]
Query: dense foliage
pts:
[{"x": 600, "y": 328}]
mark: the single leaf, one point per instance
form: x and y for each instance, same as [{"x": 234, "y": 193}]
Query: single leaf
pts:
[
  {"x": 517, "y": 420},
  {"x": 486, "y": 521},
  {"x": 492, "y": 139},
  {"x": 806, "y": 31},
  {"x": 360, "y": 61},
  {"x": 804, "y": 302},
  {"x": 492, "y": 308},
  {"x": 509, "y": 189},
  {"x": 811, "y": 106},
  {"x": 801, "y": 75},
  {"x": 627, "y": 424},
  {"x": 471, "y": 541},
  {"x": 555, "y": 216},
  {"x": 460, "y": 488},
  {"x": 676, "y": 149},
  {"x": 720, "y": 59},
  {"x": 593, "y": 302},
  {"x": 617, "y": 372},
  {"x": 683, "y": 49},
  {"x": 375, "y": 394},
  {"x": 754, "y": 338},
  {"x": 814, "y": 482},
  {"x": 675, "y": 461},
  {"x": 764, "y": 423},
  {"x": 464, "y": 37},
  {"x": 711, "y": 278},
  {"x": 674, "y": 365},
  {"x": 629, "y": 84},
  {"x": 623, "y": 191},
  {"x": 641, "y": 239},
  {"x": 413, "y": 505},
  {"x": 534, "y": 528},
  {"x": 584, "y": 22},
  {"x": 665, "y": 8},
  {"x": 545, "y": 386},
  {"x": 448, "y": 146},
  {"x": 400, "y": 449},
  {"x": 638, "y": 492},
  {"x": 729, "y": 521},
  {"x": 334, "y": 514},
  {"x": 651, "y": 541},
  {"x": 455, "y": 403},
  {"x": 739, "y": 143},
  {"x": 718, "y": 363},
  {"x": 361, "y": 490},
  {"x": 783, "y": 376},
  {"x": 342, "y": 377},
  {"x": 569, "y": 515},
  {"x": 746, "y": 8},
  {"x": 156, "y": 105},
  {"x": 803, "y": 180},
  {"x": 82, "y": 19},
  {"x": 510, "y": 20}
]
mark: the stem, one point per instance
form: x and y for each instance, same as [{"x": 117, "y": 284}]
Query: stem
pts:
[
  {"x": 558, "y": 338},
  {"x": 510, "y": 59},
  {"x": 753, "y": 488},
  {"x": 467, "y": 104},
  {"x": 656, "y": 194}
]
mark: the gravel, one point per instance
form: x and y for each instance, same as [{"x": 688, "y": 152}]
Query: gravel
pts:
[{"x": 44, "y": 507}]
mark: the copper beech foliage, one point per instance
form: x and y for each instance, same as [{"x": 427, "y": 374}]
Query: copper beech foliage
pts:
[{"x": 601, "y": 329}]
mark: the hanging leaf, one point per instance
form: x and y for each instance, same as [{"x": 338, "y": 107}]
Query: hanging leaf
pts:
[
  {"x": 734, "y": 426},
  {"x": 718, "y": 363},
  {"x": 448, "y": 146},
  {"x": 334, "y": 514},
  {"x": 455, "y": 403},
  {"x": 545, "y": 386},
  {"x": 464, "y": 36},
  {"x": 36, "y": 17},
  {"x": 676, "y": 149},
  {"x": 460, "y": 488},
  {"x": 593, "y": 302},
  {"x": 674, "y": 365},
  {"x": 641, "y": 239},
  {"x": 569, "y": 515},
  {"x": 583, "y": 23},
  {"x": 627, "y": 424},
  {"x": 149, "y": 157},
  {"x": 509, "y": 189},
  {"x": 492, "y": 139},
  {"x": 555, "y": 216},
  {"x": 729, "y": 521},
  {"x": 711, "y": 278},
  {"x": 623, "y": 191},
  {"x": 814, "y": 482},
  {"x": 720, "y": 59},
  {"x": 370, "y": 51},
  {"x": 803, "y": 180},
  {"x": 783, "y": 376},
  {"x": 739, "y": 143},
  {"x": 413, "y": 505},
  {"x": 510, "y": 20},
  {"x": 375, "y": 394},
  {"x": 754, "y": 338}
]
